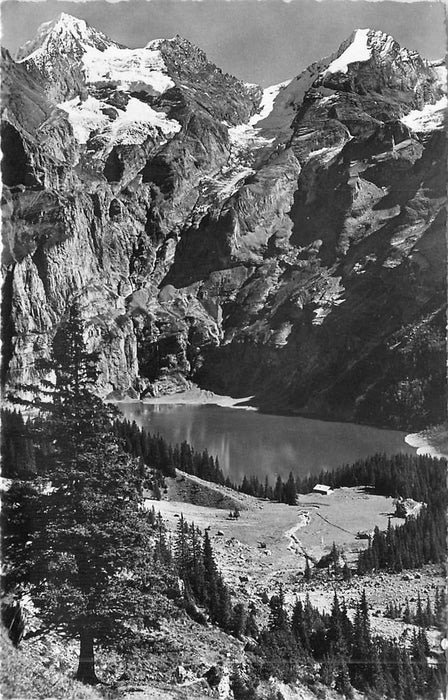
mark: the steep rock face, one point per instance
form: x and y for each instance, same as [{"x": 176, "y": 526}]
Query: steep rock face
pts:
[
  {"x": 286, "y": 243},
  {"x": 372, "y": 62}
]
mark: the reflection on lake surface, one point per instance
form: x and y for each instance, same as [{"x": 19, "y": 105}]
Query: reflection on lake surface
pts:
[{"x": 252, "y": 443}]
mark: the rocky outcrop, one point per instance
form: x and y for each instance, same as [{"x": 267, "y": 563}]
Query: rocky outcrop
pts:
[{"x": 286, "y": 244}]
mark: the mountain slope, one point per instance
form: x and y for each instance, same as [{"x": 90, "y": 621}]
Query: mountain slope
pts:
[{"x": 286, "y": 243}]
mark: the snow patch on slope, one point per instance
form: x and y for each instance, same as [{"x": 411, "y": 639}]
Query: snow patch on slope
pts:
[
  {"x": 84, "y": 117},
  {"x": 326, "y": 153},
  {"x": 285, "y": 103},
  {"x": 133, "y": 125},
  {"x": 127, "y": 68},
  {"x": 357, "y": 52},
  {"x": 248, "y": 137},
  {"x": 427, "y": 119},
  {"x": 267, "y": 102},
  {"x": 244, "y": 136}
]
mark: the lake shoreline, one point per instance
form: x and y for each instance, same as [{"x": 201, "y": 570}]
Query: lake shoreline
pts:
[
  {"x": 204, "y": 397},
  {"x": 432, "y": 442},
  {"x": 193, "y": 397}
]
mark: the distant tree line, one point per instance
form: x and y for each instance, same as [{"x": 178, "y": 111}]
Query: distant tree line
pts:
[
  {"x": 420, "y": 540},
  {"x": 420, "y": 477},
  {"x": 157, "y": 453},
  {"x": 347, "y": 653}
]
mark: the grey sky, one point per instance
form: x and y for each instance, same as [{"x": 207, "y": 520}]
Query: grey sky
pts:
[{"x": 262, "y": 42}]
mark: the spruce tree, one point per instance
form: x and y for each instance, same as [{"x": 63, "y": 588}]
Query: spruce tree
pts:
[
  {"x": 162, "y": 549},
  {"x": 408, "y": 676},
  {"x": 346, "y": 572},
  {"x": 327, "y": 670},
  {"x": 407, "y": 613},
  {"x": 289, "y": 491},
  {"x": 419, "y": 651},
  {"x": 419, "y": 615},
  {"x": 346, "y": 624},
  {"x": 299, "y": 626},
  {"x": 335, "y": 559},
  {"x": 362, "y": 645},
  {"x": 278, "y": 643},
  {"x": 342, "y": 683},
  {"x": 251, "y": 627},
  {"x": 223, "y": 609},
  {"x": 378, "y": 681},
  {"x": 211, "y": 578},
  {"x": 336, "y": 634},
  {"x": 400, "y": 690},
  {"x": 278, "y": 489},
  {"x": 196, "y": 573},
  {"x": 239, "y": 620},
  {"x": 278, "y": 619},
  {"x": 181, "y": 550},
  {"x": 90, "y": 539},
  {"x": 266, "y": 489}
]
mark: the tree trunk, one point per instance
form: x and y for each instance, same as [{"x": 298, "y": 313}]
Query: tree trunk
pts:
[{"x": 86, "y": 668}]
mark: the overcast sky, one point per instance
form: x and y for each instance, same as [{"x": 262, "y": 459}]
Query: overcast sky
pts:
[{"x": 263, "y": 42}]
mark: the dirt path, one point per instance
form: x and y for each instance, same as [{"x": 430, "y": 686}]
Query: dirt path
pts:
[{"x": 269, "y": 538}]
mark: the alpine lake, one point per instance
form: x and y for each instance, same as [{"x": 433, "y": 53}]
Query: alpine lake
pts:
[{"x": 247, "y": 442}]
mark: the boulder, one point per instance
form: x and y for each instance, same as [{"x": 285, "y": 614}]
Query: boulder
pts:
[
  {"x": 213, "y": 676},
  {"x": 408, "y": 508}
]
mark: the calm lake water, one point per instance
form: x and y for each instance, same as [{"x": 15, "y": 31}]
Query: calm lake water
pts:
[{"x": 248, "y": 442}]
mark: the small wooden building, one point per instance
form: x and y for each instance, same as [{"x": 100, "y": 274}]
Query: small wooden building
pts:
[{"x": 322, "y": 489}]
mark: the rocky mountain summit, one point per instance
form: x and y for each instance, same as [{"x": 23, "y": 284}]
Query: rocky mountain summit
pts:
[{"x": 286, "y": 243}]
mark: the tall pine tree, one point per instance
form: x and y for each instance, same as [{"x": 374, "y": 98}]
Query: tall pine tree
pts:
[{"x": 89, "y": 539}]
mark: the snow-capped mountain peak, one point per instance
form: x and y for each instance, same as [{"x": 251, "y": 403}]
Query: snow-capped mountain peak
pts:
[
  {"x": 355, "y": 50},
  {"x": 365, "y": 45},
  {"x": 66, "y": 35},
  {"x": 371, "y": 60},
  {"x": 67, "y": 25},
  {"x": 101, "y": 60}
]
